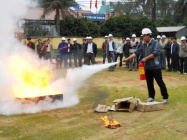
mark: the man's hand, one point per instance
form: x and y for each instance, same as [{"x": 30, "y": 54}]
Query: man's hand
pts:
[
  {"x": 125, "y": 60},
  {"x": 143, "y": 60}
]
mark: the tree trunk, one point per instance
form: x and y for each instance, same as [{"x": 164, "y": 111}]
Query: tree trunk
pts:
[
  {"x": 58, "y": 21},
  {"x": 154, "y": 11}
]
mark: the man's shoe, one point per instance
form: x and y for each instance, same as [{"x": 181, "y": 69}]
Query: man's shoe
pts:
[
  {"x": 185, "y": 73},
  {"x": 150, "y": 99},
  {"x": 164, "y": 101}
]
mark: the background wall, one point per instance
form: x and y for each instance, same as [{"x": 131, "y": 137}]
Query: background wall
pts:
[{"x": 56, "y": 40}]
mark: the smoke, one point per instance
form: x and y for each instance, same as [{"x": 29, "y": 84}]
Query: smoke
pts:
[{"x": 15, "y": 58}]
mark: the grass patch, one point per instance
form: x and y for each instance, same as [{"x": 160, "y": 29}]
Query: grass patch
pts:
[{"x": 80, "y": 122}]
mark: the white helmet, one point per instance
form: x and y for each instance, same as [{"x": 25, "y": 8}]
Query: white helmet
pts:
[
  {"x": 74, "y": 39},
  {"x": 110, "y": 35},
  {"x": 128, "y": 38},
  {"x": 133, "y": 35},
  {"x": 89, "y": 37},
  {"x": 146, "y": 31},
  {"x": 158, "y": 36},
  {"x": 183, "y": 38},
  {"x": 163, "y": 36},
  {"x": 63, "y": 38}
]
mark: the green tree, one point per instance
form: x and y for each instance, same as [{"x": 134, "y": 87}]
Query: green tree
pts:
[
  {"x": 59, "y": 6},
  {"x": 125, "y": 26},
  {"x": 33, "y": 29},
  {"x": 165, "y": 22},
  {"x": 93, "y": 28},
  {"x": 77, "y": 27},
  {"x": 181, "y": 10}
]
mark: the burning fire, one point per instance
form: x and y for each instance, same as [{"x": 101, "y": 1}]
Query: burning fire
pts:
[
  {"x": 33, "y": 82},
  {"x": 110, "y": 123}
]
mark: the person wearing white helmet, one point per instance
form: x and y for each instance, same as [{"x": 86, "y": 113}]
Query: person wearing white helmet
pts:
[
  {"x": 77, "y": 53},
  {"x": 110, "y": 51},
  {"x": 63, "y": 48},
  {"x": 126, "y": 50},
  {"x": 183, "y": 56},
  {"x": 163, "y": 52},
  {"x": 134, "y": 42},
  {"x": 134, "y": 45},
  {"x": 119, "y": 51},
  {"x": 104, "y": 48},
  {"x": 90, "y": 51},
  {"x": 158, "y": 38},
  {"x": 150, "y": 53}
]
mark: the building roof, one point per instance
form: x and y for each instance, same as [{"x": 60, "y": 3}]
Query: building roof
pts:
[
  {"x": 104, "y": 9},
  {"x": 170, "y": 29},
  {"x": 76, "y": 7},
  {"x": 36, "y": 13}
]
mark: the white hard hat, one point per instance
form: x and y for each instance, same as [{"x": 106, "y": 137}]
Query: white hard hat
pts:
[
  {"x": 63, "y": 38},
  {"x": 106, "y": 36},
  {"x": 74, "y": 39},
  {"x": 146, "y": 31},
  {"x": 110, "y": 35},
  {"x": 128, "y": 38},
  {"x": 183, "y": 38},
  {"x": 86, "y": 38},
  {"x": 158, "y": 36},
  {"x": 163, "y": 36},
  {"x": 133, "y": 35},
  {"x": 89, "y": 37}
]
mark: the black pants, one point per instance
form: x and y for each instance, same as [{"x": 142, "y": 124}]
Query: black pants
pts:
[
  {"x": 168, "y": 57},
  {"x": 69, "y": 59},
  {"x": 120, "y": 57},
  {"x": 90, "y": 57},
  {"x": 183, "y": 64},
  {"x": 175, "y": 62},
  {"x": 157, "y": 75},
  {"x": 78, "y": 58}
]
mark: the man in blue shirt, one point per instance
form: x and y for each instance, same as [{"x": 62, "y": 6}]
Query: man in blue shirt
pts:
[{"x": 63, "y": 48}]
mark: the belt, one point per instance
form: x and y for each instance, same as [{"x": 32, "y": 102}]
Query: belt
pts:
[{"x": 89, "y": 53}]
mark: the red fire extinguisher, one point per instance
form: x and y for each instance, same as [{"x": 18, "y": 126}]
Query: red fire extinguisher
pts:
[
  {"x": 44, "y": 48},
  {"x": 141, "y": 71}
]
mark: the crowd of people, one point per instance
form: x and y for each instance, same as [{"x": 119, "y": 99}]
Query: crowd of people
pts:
[
  {"x": 172, "y": 57},
  {"x": 157, "y": 54}
]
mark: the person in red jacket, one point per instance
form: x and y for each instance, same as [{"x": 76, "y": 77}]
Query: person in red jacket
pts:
[{"x": 30, "y": 44}]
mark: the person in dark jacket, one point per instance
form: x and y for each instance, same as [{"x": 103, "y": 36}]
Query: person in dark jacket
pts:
[
  {"x": 82, "y": 52},
  {"x": 168, "y": 54},
  {"x": 90, "y": 51},
  {"x": 30, "y": 44},
  {"x": 175, "y": 55},
  {"x": 111, "y": 51},
  {"x": 104, "y": 44},
  {"x": 126, "y": 49},
  {"x": 39, "y": 47},
  {"x": 69, "y": 55},
  {"x": 183, "y": 56},
  {"x": 151, "y": 52},
  {"x": 77, "y": 50}
]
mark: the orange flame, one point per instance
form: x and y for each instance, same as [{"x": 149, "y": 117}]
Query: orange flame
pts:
[
  {"x": 110, "y": 124},
  {"x": 33, "y": 82}
]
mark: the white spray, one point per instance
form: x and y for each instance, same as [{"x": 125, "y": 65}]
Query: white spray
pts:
[{"x": 10, "y": 12}]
